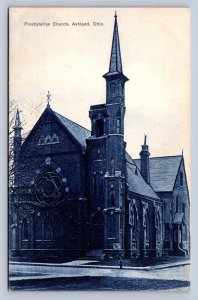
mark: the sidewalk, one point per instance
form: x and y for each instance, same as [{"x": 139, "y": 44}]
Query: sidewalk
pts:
[{"x": 83, "y": 264}]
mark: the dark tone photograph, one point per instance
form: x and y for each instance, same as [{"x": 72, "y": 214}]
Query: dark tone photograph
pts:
[{"x": 99, "y": 193}]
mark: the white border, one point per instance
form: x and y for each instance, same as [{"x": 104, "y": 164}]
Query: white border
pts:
[{"x": 4, "y": 294}]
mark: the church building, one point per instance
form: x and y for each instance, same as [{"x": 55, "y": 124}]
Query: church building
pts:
[{"x": 78, "y": 191}]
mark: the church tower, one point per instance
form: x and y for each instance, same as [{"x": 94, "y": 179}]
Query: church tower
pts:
[
  {"x": 17, "y": 136},
  {"x": 16, "y": 145},
  {"x": 106, "y": 155}
]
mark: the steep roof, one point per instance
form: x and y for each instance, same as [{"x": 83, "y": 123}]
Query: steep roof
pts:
[
  {"x": 78, "y": 132},
  {"x": 163, "y": 172},
  {"x": 115, "y": 60},
  {"x": 135, "y": 180}
]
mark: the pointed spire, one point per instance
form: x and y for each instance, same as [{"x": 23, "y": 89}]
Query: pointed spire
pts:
[
  {"x": 145, "y": 139},
  {"x": 115, "y": 65},
  {"x": 17, "y": 121},
  {"x": 145, "y": 147},
  {"x": 115, "y": 59}
]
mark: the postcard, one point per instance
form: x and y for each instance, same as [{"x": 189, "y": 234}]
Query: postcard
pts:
[{"x": 99, "y": 148}]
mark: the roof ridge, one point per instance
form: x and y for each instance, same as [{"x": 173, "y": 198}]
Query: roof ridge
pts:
[
  {"x": 166, "y": 156},
  {"x": 71, "y": 121},
  {"x": 179, "y": 155}
]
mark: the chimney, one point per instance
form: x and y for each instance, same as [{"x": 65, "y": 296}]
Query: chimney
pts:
[{"x": 144, "y": 162}]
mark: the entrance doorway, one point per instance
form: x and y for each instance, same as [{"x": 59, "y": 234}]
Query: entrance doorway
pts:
[{"x": 97, "y": 231}]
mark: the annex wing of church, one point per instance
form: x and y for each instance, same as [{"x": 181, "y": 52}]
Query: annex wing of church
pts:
[{"x": 77, "y": 191}]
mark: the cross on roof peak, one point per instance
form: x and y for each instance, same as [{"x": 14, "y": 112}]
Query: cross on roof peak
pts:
[{"x": 48, "y": 98}]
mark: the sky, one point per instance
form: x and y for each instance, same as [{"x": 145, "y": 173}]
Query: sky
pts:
[{"x": 69, "y": 61}]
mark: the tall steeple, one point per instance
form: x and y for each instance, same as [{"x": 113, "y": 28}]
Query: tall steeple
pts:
[
  {"x": 115, "y": 79},
  {"x": 17, "y": 136},
  {"x": 107, "y": 139},
  {"x": 17, "y": 126},
  {"x": 144, "y": 161},
  {"x": 115, "y": 59}
]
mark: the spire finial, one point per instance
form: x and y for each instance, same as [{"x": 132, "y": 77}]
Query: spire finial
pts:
[
  {"x": 182, "y": 152},
  {"x": 115, "y": 16},
  {"x": 145, "y": 139},
  {"x": 48, "y": 98},
  {"x": 17, "y": 120}
]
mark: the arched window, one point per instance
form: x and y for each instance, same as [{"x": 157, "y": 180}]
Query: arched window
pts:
[
  {"x": 147, "y": 225},
  {"x": 112, "y": 198},
  {"x": 112, "y": 88},
  {"x": 48, "y": 229},
  {"x": 111, "y": 226},
  {"x": 38, "y": 228},
  {"x": 158, "y": 225},
  {"x": 134, "y": 222},
  {"x": 58, "y": 228},
  {"x": 41, "y": 140},
  {"x": 101, "y": 184},
  {"x": 181, "y": 178},
  {"x": 99, "y": 156},
  {"x": 112, "y": 166},
  {"x": 99, "y": 127},
  {"x": 48, "y": 139},
  {"x": 55, "y": 139},
  {"x": 118, "y": 125},
  {"x": 24, "y": 229},
  {"x": 122, "y": 86},
  {"x": 94, "y": 184},
  {"x": 177, "y": 205}
]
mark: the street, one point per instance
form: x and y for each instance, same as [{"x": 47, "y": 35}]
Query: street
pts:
[{"x": 77, "y": 276}]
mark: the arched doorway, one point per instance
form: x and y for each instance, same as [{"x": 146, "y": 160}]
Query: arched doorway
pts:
[{"x": 97, "y": 231}]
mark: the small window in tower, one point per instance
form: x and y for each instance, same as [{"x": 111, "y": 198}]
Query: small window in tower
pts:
[
  {"x": 122, "y": 88},
  {"x": 94, "y": 184},
  {"x": 112, "y": 166},
  {"x": 181, "y": 178},
  {"x": 177, "y": 205},
  {"x": 113, "y": 87},
  {"x": 99, "y": 127},
  {"x": 101, "y": 184},
  {"x": 112, "y": 198},
  {"x": 118, "y": 125},
  {"x": 25, "y": 229}
]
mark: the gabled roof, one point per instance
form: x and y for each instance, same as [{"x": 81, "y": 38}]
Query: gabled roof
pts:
[
  {"x": 78, "y": 132},
  {"x": 163, "y": 172},
  {"x": 135, "y": 180}
]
